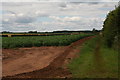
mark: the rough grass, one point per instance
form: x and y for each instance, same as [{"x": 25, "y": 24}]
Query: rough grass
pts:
[{"x": 95, "y": 61}]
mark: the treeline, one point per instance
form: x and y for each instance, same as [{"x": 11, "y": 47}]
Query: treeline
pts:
[
  {"x": 64, "y": 31},
  {"x": 111, "y": 28},
  {"x": 85, "y": 31}
]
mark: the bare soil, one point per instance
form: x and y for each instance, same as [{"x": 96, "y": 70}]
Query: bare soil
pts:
[
  {"x": 16, "y": 61},
  {"x": 39, "y": 62}
]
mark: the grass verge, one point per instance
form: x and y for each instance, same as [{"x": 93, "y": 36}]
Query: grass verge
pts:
[{"x": 95, "y": 61}]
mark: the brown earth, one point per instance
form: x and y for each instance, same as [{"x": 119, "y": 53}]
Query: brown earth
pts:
[
  {"x": 39, "y": 62},
  {"x": 16, "y": 61}
]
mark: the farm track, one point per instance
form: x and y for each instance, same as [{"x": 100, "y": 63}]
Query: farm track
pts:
[{"x": 55, "y": 69}]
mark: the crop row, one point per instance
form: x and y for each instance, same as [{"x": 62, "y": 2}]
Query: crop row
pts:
[{"x": 30, "y": 41}]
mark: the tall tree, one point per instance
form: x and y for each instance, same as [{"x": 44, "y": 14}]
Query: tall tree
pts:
[{"x": 111, "y": 27}]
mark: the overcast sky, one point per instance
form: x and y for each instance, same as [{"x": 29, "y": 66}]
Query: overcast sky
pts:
[{"x": 51, "y": 15}]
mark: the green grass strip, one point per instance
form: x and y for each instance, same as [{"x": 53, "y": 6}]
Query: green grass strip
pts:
[{"x": 95, "y": 61}]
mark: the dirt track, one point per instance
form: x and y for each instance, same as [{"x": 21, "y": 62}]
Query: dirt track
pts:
[{"x": 39, "y": 62}]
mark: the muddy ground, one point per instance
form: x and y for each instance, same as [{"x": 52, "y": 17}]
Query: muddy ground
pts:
[{"x": 39, "y": 62}]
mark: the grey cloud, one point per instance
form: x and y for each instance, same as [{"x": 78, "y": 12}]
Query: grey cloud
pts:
[
  {"x": 5, "y": 22},
  {"x": 42, "y": 15},
  {"x": 93, "y": 3},
  {"x": 10, "y": 12},
  {"x": 18, "y": 19},
  {"x": 25, "y": 19},
  {"x": 60, "y": 0},
  {"x": 15, "y": 4},
  {"x": 76, "y": 2},
  {"x": 89, "y": 3},
  {"x": 63, "y": 5},
  {"x": 17, "y": 28},
  {"x": 43, "y": 0}
]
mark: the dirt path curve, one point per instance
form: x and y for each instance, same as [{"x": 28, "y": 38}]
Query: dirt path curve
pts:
[{"x": 55, "y": 68}]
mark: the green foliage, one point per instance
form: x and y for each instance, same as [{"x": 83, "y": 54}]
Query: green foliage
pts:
[
  {"x": 111, "y": 27},
  {"x": 61, "y": 40}
]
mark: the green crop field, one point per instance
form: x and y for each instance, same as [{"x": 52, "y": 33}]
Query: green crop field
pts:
[{"x": 30, "y": 41}]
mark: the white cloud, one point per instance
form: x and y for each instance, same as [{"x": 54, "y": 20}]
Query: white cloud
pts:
[
  {"x": 58, "y": 15},
  {"x": 73, "y": 18},
  {"x": 20, "y": 14},
  {"x": 60, "y": 0}
]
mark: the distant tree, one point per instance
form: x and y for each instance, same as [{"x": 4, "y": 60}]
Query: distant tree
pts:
[
  {"x": 32, "y": 32},
  {"x": 6, "y": 32},
  {"x": 95, "y": 31}
]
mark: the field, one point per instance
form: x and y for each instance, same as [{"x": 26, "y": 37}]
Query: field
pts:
[
  {"x": 32, "y": 41},
  {"x": 58, "y": 56},
  {"x": 39, "y": 62}
]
